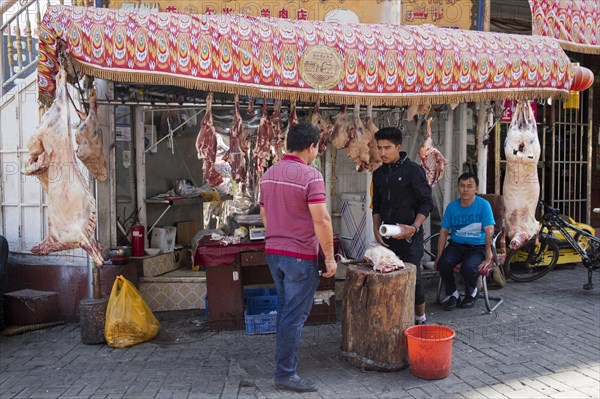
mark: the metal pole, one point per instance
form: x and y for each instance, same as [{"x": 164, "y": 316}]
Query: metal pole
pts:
[
  {"x": 589, "y": 154},
  {"x": 482, "y": 158},
  {"x": 140, "y": 164},
  {"x": 553, "y": 164},
  {"x": 225, "y": 105},
  {"x": 462, "y": 137},
  {"x": 1, "y": 66},
  {"x": 497, "y": 159},
  {"x": 90, "y": 276},
  {"x": 480, "y": 11},
  {"x": 158, "y": 219},
  {"x": 487, "y": 11},
  {"x": 2, "y": 46},
  {"x": 448, "y": 146}
]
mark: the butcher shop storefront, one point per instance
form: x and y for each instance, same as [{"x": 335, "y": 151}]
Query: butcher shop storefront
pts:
[{"x": 181, "y": 114}]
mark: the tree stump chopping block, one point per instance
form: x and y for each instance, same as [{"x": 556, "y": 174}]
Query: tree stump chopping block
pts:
[{"x": 376, "y": 309}]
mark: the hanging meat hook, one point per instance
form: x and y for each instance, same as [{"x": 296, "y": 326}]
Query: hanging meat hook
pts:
[{"x": 443, "y": 113}]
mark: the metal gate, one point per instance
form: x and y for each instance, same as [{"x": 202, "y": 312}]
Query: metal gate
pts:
[{"x": 571, "y": 166}]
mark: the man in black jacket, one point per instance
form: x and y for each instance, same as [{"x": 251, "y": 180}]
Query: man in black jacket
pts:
[{"x": 401, "y": 196}]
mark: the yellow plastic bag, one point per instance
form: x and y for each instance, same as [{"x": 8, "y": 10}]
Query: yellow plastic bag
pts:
[{"x": 129, "y": 320}]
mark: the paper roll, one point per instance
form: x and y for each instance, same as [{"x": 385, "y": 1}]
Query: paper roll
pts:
[{"x": 389, "y": 230}]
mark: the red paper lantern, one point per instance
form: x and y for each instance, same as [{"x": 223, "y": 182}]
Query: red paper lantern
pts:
[{"x": 582, "y": 78}]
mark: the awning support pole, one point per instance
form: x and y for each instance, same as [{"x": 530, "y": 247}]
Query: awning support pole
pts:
[
  {"x": 482, "y": 156},
  {"x": 140, "y": 164},
  {"x": 448, "y": 147}
]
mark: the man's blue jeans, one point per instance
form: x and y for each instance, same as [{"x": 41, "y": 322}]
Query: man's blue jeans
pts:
[{"x": 296, "y": 281}]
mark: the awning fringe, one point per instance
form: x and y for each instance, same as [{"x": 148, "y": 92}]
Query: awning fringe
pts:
[
  {"x": 296, "y": 60},
  {"x": 309, "y": 95}
]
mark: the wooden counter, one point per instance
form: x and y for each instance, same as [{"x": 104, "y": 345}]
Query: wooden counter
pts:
[{"x": 232, "y": 267}]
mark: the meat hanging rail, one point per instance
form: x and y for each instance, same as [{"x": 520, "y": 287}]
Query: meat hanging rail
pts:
[
  {"x": 300, "y": 60},
  {"x": 225, "y": 105}
]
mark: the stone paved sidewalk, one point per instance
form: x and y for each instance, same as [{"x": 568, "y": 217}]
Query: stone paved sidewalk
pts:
[{"x": 543, "y": 342}]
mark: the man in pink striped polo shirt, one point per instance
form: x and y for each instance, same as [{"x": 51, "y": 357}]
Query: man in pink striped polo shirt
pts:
[{"x": 292, "y": 206}]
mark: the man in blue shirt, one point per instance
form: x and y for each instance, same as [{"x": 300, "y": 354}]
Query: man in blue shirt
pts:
[{"x": 470, "y": 222}]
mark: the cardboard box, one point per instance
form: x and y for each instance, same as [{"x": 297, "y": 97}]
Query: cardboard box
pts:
[
  {"x": 186, "y": 231},
  {"x": 164, "y": 238},
  {"x": 27, "y": 307}
]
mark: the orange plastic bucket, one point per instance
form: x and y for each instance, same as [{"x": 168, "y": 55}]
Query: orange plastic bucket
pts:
[{"x": 430, "y": 350}]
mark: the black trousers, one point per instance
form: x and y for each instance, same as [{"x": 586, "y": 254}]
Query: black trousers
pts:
[
  {"x": 412, "y": 253},
  {"x": 469, "y": 257}
]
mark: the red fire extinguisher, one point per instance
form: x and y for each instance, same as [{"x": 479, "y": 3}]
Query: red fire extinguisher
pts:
[{"x": 137, "y": 240}]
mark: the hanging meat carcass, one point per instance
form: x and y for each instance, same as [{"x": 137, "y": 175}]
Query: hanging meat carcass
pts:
[
  {"x": 325, "y": 129},
  {"x": 89, "y": 142},
  {"x": 521, "y": 185},
  {"x": 262, "y": 150},
  {"x": 292, "y": 121},
  {"x": 235, "y": 153},
  {"x": 206, "y": 144},
  {"x": 420, "y": 109},
  {"x": 250, "y": 110},
  {"x": 343, "y": 130},
  {"x": 383, "y": 259},
  {"x": 245, "y": 140},
  {"x": 277, "y": 143},
  {"x": 370, "y": 130},
  {"x": 358, "y": 148},
  {"x": 432, "y": 159},
  {"x": 72, "y": 214}
]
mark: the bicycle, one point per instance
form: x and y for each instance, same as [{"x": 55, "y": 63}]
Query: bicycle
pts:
[{"x": 538, "y": 256}]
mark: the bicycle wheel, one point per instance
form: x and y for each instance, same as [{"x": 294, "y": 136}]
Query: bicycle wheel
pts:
[
  {"x": 531, "y": 261},
  {"x": 430, "y": 246}
]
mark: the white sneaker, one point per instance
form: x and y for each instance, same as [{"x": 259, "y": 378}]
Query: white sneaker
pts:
[{"x": 428, "y": 265}]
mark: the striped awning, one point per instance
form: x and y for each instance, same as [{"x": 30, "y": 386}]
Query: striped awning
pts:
[
  {"x": 575, "y": 24},
  {"x": 300, "y": 60}
]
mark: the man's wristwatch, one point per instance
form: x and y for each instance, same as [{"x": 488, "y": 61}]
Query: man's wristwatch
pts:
[{"x": 416, "y": 228}]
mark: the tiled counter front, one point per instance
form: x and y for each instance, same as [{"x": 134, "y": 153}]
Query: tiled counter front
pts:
[
  {"x": 166, "y": 293},
  {"x": 151, "y": 266}
]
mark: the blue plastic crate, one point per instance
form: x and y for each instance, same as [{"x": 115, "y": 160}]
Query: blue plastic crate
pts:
[
  {"x": 250, "y": 292},
  {"x": 260, "y": 323},
  {"x": 261, "y": 304},
  {"x": 256, "y": 292}
]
